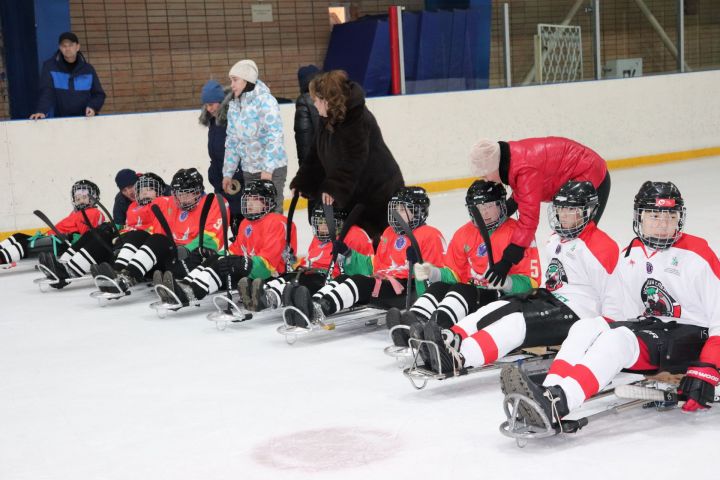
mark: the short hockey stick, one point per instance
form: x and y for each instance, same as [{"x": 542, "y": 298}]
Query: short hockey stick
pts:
[
  {"x": 52, "y": 226},
  {"x": 349, "y": 222},
  {"x": 96, "y": 201},
  {"x": 224, "y": 216},
  {"x": 484, "y": 233},
  {"x": 416, "y": 246},
  {"x": 289, "y": 253}
]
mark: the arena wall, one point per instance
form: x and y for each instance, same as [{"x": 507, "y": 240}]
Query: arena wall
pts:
[{"x": 628, "y": 121}]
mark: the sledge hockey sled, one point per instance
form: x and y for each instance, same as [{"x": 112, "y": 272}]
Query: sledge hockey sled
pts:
[
  {"x": 162, "y": 306},
  {"x": 368, "y": 315},
  {"x": 112, "y": 290},
  {"x": 228, "y": 311},
  {"x": 50, "y": 279},
  {"x": 649, "y": 393},
  {"x": 536, "y": 361}
]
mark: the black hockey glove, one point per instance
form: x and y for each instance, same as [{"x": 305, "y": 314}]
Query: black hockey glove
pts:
[
  {"x": 497, "y": 274},
  {"x": 233, "y": 265},
  {"x": 411, "y": 255},
  {"x": 340, "y": 248},
  {"x": 698, "y": 385}
]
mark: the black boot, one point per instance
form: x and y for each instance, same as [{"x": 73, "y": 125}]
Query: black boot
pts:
[
  {"x": 51, "y": 262},
  {"x": 551, "y": 400},
  {"x": 259, "y": 297},
  {"x": 287, "y": 301},
  {"x": 399, "y": 332},
  {"x": 417, "y": 331},
  {"x": 446, "y": 360},
  {"x": 182, "y": 291},
  {"x": 302, "y": 300}
]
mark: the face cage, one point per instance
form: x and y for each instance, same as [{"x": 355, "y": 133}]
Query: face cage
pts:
[
  {"x": 88, "y": 192},
  {"x": 244, "y": 209},
  {"x": 317, "y": 220},
  {"x": 492, "y": 225},
  {"x": 569, "y": 233},
  {"x": 190, "y": 205},
  {"x": 145, "y": 183},
  {"x": 654, "y": 242},
  {"x": 417, "y": 215}
]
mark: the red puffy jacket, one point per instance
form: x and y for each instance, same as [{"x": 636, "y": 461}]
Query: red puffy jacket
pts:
[{"x": 538, "y": 168}]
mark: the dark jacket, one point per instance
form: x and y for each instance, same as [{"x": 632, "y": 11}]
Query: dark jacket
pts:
[
  {"x": 120, "y": 208},
  {"x": 353, "y": 165},
  {"x": 65, "y": 92},
  {"x": 307, "y": 122},
  {"x": 216, "y": 150}
]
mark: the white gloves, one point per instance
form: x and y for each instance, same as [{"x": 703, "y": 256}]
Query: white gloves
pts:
[
  {"x": 505, "y": 286},
  {"x": 426, "y": 271}
]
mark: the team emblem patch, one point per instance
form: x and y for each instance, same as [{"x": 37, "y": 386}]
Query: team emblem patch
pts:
[
  {"x": 658, "y": 301},
  {"x": 481, "y": 250},
  {"x": 183, "y": 215},
  {"x": 555, "y": 276},
  {"x": 400, "y": 242},
  {"x": 248, "y": 231}
]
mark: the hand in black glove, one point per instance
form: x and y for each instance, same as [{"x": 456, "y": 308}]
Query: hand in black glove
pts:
[
  {"x": 340, "y": 248},
  {"x": 497, "y": 274},
  {"x": 411, "y": 255},
  {"x": 235, "y": 266},
  {"x": 698, "y": 385}
]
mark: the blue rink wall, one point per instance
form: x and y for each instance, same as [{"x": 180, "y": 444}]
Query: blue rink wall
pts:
[{"x": 627, "y": 121}]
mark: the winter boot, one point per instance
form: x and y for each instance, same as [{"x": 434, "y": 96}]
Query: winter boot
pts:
[
  {"x": 258, "y": 295},
  {"x": 447, "y": 359},
  {"x": 302, "y": 300},
  {"x": 550, "y": 400},
  {"x": 182, "y": 291},
  {"x": 245, "y": 291},
  {"x": 399, "y": 332},
  {"x": 49, "y": 261}
]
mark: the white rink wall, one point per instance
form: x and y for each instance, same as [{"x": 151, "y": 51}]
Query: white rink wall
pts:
[{"x": 429, "y": 135}]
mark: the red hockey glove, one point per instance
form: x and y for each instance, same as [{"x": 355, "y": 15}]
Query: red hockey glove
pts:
[{"x": 698, "y": 386}]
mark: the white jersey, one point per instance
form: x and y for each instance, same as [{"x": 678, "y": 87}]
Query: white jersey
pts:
[
  {"x": 579, "y": 269},
  {"x": 681, "y": 283}
]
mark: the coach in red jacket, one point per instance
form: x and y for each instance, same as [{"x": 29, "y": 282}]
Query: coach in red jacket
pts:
[{"x": 535, "y": 169}]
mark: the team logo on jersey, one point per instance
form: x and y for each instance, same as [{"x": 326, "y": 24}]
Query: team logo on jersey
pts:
[
  {"x": 555, "y": 276},
  {"x": 481, "y": 250},
  {"x": 649, "y": 267},
  {"x": 400, "y": 242},
  {"x": 658, "y": 301},
  {"x": 183, "y": 215},
  {"x": 248, "y": 231}
]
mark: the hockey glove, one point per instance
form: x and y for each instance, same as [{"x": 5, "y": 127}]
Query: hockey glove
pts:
[
  {"x": 340, "y": 248},
  {"x": 426, "y": 271},
  {"x": 699, "y": 386},
  {"x": 497, "y": 274},
  {"x": 235, "y": 266}
]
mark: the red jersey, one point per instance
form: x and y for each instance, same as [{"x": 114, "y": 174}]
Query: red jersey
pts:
[
  {"x": 467, "y": 254},
  {"x": 185, "y": 225},
  {"x": 538, "y": 168},
  {"x": 265, "y": 238},
  {"x": 139, "y": 217},
  {"x": 319, "y": 253},
  {"x": 390, "y": 257},
  {"x": 75, "y": 222}
]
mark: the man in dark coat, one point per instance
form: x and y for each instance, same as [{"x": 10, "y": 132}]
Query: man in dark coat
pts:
[
  {"x": 125, "y": 181},
  {"x": 350, "y": 162},
  {"x": 215, "y": 102},
  {"x": 69, "y": 85}
]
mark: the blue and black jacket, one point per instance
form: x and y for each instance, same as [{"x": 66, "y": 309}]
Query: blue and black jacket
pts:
[{"x": 65, "y": 92}]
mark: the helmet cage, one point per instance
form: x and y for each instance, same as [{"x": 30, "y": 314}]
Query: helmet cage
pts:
[
  {"x": 657, "y": 243},
  {"x": 588, "y": 213},
  {"x": 502, "y": 216},
  {"x": 183, "y": 192},
  {"x": 268, "y": 205},
  {"x": 83, "y": 195},
  {"x": 417, "y": 214},
  {"x": 143, "y": 184}
]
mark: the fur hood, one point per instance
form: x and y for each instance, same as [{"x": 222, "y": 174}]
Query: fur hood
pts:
[{"x": 221, "y": 118}]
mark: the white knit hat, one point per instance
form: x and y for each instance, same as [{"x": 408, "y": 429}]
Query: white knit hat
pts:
[
  {"x": 245, "y": 69},
  {"x": 484, "y": 157}
]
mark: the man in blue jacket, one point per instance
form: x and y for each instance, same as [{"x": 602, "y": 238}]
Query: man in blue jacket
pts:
[{"x": 69, "y": 86}]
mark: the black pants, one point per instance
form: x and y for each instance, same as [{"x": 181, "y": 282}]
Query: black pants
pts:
[
  {"x": 450, "y": 303},
  {"x": 359, "y": 290}
]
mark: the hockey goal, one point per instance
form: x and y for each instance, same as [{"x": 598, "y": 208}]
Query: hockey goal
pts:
[{"x": 558, "y": 53}]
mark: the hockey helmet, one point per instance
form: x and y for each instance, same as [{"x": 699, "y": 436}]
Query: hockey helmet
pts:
[
  {"x": 579, "y": 196},
  {"x": 414, "y": 203},
  {"x": 258, "y": 190},
  {"x": 660, "y": 200}
]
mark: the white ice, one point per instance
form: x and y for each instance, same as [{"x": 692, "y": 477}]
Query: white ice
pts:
[{"x": 117, "y": 393}]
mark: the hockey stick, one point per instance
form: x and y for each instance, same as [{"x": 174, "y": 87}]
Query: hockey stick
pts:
[
  {"x": 96, "y": 201},
  {"x": 203, "y": 219},
  {"x": 224, "y": 216},
  {"x": 642, "y": 392},
  {"x": 482, "y": 228},
  {"x": 289, "y": 254},
  {"x": 52, "y": 226},
  {"x": 416, "y": 246},
  {"x": 349, "y": 222}
]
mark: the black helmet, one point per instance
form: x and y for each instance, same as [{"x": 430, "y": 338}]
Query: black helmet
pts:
[
  {"x": 317, "y": 218},
  {"x": 658, "y": 197},
  {"x": 414, "y": 201},
  {"x": 264, "y": 189},
  {"x": 146, "y": 184},
  {"x": 84, "y": 194},
  {"x": 187, "y": 181},
  {"x": 573, "y": 194},
  {"x": 484, "y": 191}
]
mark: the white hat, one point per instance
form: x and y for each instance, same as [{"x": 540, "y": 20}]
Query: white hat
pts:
[
  {"x": 484, "y": 157},
  {"x": 245, "y": 69}
]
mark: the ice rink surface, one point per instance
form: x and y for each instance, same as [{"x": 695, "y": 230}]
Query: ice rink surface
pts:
[{"x": 117, "y": 393}]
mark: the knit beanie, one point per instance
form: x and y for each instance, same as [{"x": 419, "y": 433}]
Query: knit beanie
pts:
[
  {"x": 125, "y": 178},
  {"x": 484, "y": 157},
  {"x": 212, "y": 92},
  {"x": 245, "y": 69}
]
